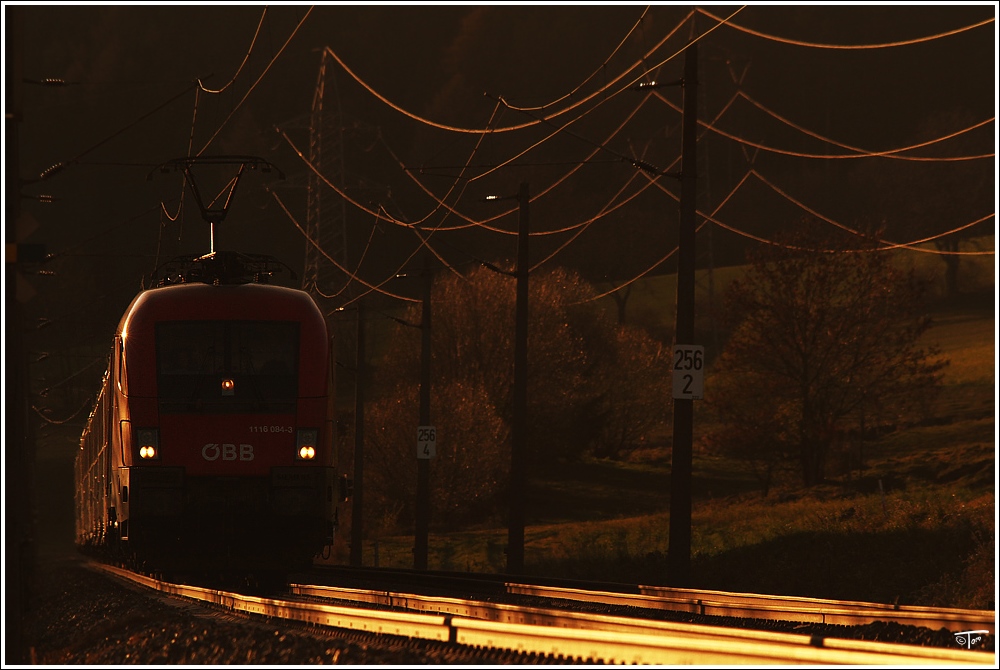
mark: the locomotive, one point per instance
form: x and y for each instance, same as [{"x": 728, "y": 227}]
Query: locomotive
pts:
[{"x": 211, "y": 444}]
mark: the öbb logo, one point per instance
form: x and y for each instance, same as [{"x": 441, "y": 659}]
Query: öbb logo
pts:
[{"x": 227, "y": 452}]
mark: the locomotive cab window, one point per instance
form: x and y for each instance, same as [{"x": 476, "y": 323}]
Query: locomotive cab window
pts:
[{"x": 227, "y": 366}]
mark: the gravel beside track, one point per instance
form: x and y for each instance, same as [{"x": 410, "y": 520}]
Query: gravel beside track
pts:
[{"x": 79, "y": 617}]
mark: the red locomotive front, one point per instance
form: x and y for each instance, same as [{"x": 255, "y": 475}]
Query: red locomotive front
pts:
[{"x": 221, "y": 442}]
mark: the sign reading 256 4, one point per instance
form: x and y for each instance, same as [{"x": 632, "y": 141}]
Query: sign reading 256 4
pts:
[
  {"x": 426, "y": 442},
  {"x": 689, "y": 371}
]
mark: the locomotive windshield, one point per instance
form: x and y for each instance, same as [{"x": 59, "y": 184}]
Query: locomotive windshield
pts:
[{"x": 247, "y": 367}]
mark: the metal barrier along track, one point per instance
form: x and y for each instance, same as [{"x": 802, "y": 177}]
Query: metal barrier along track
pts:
[
  {"x": 785, "y": 608},
  {"x": 713, "y": 640},
  {"x": 638, "y": 645},
  {"x": 423, "y": 626},
  {"x": 847, "y": 612}
]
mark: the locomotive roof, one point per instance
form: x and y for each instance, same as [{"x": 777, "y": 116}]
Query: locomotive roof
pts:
[{"x": 200, "y": 301}]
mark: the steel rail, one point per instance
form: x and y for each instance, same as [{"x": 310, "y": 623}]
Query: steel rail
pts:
[{"x": 565, "y": 643}]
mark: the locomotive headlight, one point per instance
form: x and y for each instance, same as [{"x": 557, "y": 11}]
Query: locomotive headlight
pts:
[
  {"x": 228, "y": 386},
  {"x": 148, "y": 441},
  {"x": 305, "y": 444}
]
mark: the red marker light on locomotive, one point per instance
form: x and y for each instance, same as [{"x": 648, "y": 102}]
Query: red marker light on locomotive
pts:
[
  {"x": 305, "y": 444},
  {"x": 148, "y": 441},
  {"x": 228, "y": 386}
]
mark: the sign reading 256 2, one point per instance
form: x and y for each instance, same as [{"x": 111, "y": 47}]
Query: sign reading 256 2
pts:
[{"x": 689, "y": 371}]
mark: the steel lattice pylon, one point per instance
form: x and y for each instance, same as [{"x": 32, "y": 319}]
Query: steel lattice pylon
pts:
[{"x": 326, "y": 209}]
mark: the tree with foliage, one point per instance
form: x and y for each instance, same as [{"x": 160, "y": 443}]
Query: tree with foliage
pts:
[
  {"x": 635, "y": 393},
  {"x": 468, "y": 473},
  {"x": 822, "y": 332},
  {"x": 592, "y": 386}
]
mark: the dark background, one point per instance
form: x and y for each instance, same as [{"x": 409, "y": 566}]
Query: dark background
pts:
[
  {"x": 113, "y": 123},
  {"x": 129, "y": 105}
]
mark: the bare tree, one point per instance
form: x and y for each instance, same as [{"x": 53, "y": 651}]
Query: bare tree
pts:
[{"x": 822, "y": 331}]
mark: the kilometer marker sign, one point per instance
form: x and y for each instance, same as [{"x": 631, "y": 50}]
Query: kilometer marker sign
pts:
[
  {"x": 426, "y": 442},
  {"x": 688, "y": 371}
]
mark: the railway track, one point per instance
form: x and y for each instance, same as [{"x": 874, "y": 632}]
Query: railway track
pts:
[
  {"x": 554, "y": 633},
  {"x": 698, "y": 601}
]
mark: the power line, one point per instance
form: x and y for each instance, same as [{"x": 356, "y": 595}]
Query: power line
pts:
[
  {"x": 339, "y": 266},
  {"x": 543, "y": 192},
  {"x": 254, "y": 85},
  {"x": 86, "y": 403},
  {"x": 911, "y": 245},
  {"x": 425, "y": 241},
  {"x": 522, "y": 126},
  {"x": 597, "y": 145},
  {"x": 818, "y": 45},
  {"x": 582, "y": 226},
  {"x": 331, "y": 296},
  {"x": 102, "y": 359},
  {"x": 607, "y": 209},
  {"x": 642, "y": 62},
  {"x": 66, "y": 252},
  {"x": 245, "y": 59},
  {"x": 655, "y": 181},
  {"x": 603, "y": 65},
  {"x": 441, "y": 203},
  {"x": 892, "y": 245},
  {"x": 861, "y": 153},
  {"x": 60, "y": 166}
]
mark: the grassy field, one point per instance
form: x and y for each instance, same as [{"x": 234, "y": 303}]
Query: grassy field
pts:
[{"x": 914, "y": 525}]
